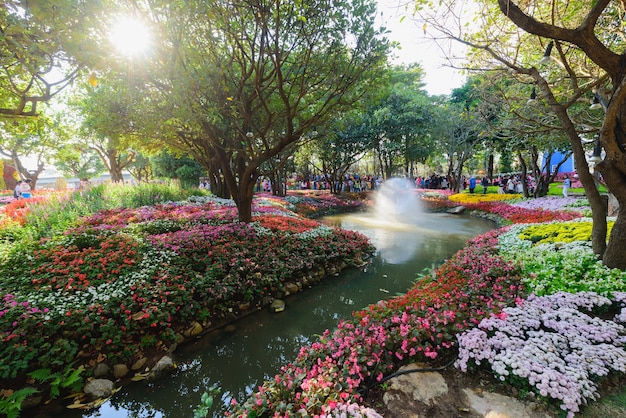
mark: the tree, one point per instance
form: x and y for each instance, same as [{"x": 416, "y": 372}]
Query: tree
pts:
[
  {"x": 74, "y": 160},
  {"x": 34, "y": 138},
  {"x": 39, "y": 41},
  {"x": 239, "y": 83},
  {"x": 583, "y": 46},
  {"x": 183, "y": 168},
  {"x": 401, "y": 121},
  {"x": 458, "y": 133},
  {"x": 108, "y": 125},
  {"x": 341, "y": 144}
]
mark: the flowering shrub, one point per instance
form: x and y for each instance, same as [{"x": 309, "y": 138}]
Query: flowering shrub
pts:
[
  {"x": 516, "y": 214},
  {"x": 418, "y": 326},
  {"x": 561, "y": 232},
  {"x": 128, "y": 279},
  {"x": 552, "y": 203},
  {"x": 18, "y": 209},
  {"x": 554, "y": 343},
  {"x": 550, "y": 268},
  {"x": 465, "y": 198},
  {"x": 323, "y": 204}
]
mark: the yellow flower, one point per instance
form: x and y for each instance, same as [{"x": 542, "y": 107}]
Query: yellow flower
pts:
[{"x": 479, "y": 197}]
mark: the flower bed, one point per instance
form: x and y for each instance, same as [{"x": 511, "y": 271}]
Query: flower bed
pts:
[
  {"x": 492, "y": 279},
  {"x": 126, "y": 282},
  {"x": 418, "y": 326}
]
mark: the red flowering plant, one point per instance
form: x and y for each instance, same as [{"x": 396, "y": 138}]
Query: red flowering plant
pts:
[
  {"x": 126, "y": 280},
  {"x": 18, "y": 209},
  {"x": 421, "y": 325},
  {"x": 515, "y": 214}
]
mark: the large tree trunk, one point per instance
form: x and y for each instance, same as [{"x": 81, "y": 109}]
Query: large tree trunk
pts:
[
  {"x": 524, "y": 178},
  {"x": 615, "y": 253},
  {"x": 596, "y": 201}
]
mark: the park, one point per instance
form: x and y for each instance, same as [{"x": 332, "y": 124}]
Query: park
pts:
[{"x": 227, "y": 180}]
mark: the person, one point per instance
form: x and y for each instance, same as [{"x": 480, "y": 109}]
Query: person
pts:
[
  {"x": 25, "y": 189},
  {"x": 485, "y": 183},
  {"x": 17, "y": 191},
  {"x": 566, "y": 185},
  {"x": 472, "y": 184}
]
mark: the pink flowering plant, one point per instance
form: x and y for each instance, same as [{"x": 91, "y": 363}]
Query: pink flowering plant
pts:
[
  {"x": 482, "y": 284},
  {"x": 419, "y": 326},
  {"x": 124, "y": 281}
]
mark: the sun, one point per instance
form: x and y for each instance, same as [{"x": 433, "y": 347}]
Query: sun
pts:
[{"x": 130, "y": 36}]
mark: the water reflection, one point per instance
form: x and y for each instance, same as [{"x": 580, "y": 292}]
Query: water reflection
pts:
[{"x": 260, "y": 344}]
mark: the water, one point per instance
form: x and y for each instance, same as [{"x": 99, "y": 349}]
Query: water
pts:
[{"x": 260, "y": 344}]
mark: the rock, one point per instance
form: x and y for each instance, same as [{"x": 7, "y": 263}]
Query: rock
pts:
[
  {"x": 32, "y": 401},
  {"x": 139, "y": 363},
  {"x": 98, "y": 388},
  {"x": 277, "y": 305},
  {"x": 120, "y": 370},
  {"x": 495, "y": 405},
  {"x": 457, "y": 210},
  {"x": 163, "y": 366},
  {"x": 291, "y": 288},
  {"x": 423, "y": 387},
  {"x": 194, "y": 329},
  {"x": 101, "y": 370}
]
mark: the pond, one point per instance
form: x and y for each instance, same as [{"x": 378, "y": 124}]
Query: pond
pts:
[{"x": 253, "y": 349}]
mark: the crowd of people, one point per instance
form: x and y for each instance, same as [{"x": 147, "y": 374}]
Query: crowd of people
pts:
[
  {"x": 505, "y": 183},
  {"x": 356, "y": 183}
]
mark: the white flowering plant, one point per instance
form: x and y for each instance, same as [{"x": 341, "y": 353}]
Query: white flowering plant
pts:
[{"x": 553, "y": 343}]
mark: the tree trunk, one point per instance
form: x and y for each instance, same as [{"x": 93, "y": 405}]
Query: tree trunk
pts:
[
  {"x": 524, "y": 176},
  {"x": 116, "y": 173},
  {"x": 614, "y": 254},
  {"x": 596, "y": 202}
]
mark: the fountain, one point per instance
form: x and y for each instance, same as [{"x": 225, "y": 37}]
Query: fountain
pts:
[{"x": 397, "y": 203}]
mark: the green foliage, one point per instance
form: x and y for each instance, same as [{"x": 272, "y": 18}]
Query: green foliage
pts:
[
  {"x": 12, "y": 405},
  {"x": 206, "y": 402},
  {"x": 142, "y": 194},
  {"x": 69, "y": 379},
  {"x": 568, "y": 266},
  {"x": 185, "y": 169}
]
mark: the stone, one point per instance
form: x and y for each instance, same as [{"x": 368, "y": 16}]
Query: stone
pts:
[
  {"x": 101, "y": 370},
  {"x": 496, "y": 405},
  {"x": 291, "y": 288},
  {"x": 277, "y": 305},
  {"x": 120, "y": 370},
  {"x": 163, "y": 366},
  {"x": 32, "y": 401},
  {"x": 98, "y": 388},
  {"x": 139, "y": 363},
  {"x": 194, "y": 329},
  {"x": 423, "y": 387},
  {"x": 457, "y": 210}
]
